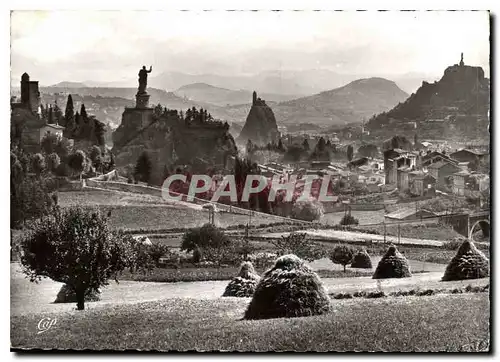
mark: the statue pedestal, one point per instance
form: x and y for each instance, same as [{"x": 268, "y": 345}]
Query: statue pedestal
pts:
[{"x": 142, "y": 100}]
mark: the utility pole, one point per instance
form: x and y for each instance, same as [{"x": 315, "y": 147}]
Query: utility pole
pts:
[{"x": 385, "y": 231}]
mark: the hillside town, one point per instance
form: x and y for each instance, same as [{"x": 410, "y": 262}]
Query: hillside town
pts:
[{"x": 292, "y": 205}]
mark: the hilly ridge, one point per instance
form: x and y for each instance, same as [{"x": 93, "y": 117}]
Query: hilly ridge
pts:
[
  {"x": 353, "y": 102},
  {"x": 203, "y": 92}
]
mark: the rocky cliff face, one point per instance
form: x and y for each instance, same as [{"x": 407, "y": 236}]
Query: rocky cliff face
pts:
[
  {"x": 172, "y": 140},
  {"x": 260, "y": 126},
  {"x": 462, "y": 91}
]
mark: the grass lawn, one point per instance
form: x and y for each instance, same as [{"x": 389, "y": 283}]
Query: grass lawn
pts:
[
  {"x": 152, "y": 218},
  {"x": 431, "y": 323},
  {"x": 430, "y": 231}
]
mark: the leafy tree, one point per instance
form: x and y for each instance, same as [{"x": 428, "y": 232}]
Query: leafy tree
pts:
[
  {"x": 397, "y": 142},
  {"x": 95, "y": 156},
  {"x": 75, "y": 246},
  {"x": 310, "y": 210},
  {"x": 49, "y": 143},
  {"x": 342, "y": 255},
  {"x": 143, "y": 168},
  {"x": 29, "y": 197},
  {"x": 78, "y": 162},
  {"x": 38, "y": 164},
  {"x": 305, "y": 144},
  {"x": 297, "y": 243},
  {"x": 294, "y": 153},
  {"x": 368, "y": 150},
  {"x": 202, "y": 237},
  {"x": 321, "y": 153},
  {"x": 53, "y": 162},
  {"x": 350, "y": 152}
]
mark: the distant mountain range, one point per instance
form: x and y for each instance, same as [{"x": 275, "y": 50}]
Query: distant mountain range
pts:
[
  {"x": 294, "y": 83},
  {"x": 353, "y": 102},
  {"x": 202, "y": 92}
]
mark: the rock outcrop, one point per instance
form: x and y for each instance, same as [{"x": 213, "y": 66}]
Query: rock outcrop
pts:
[
  {"x": 172, "y": 139},
  {"x": 457, "y": 104},
  {"x": 260, "y": 126}
]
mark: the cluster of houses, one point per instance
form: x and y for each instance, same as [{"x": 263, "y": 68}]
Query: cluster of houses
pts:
[{"x": 421, "y": 173}]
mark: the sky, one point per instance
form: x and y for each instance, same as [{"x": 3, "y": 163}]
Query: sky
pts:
[{"x": 108, "y": 46}]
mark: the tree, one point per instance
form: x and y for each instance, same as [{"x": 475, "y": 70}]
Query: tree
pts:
[
  {"x": 309, "y": 210},
  {"x": 203, "y": 237},
  {"x": 297, "y": 243},
  {"x": 58, "y": 115},
  {"x": 350, "y": 152},
  {"x": 294, "y": 153},
  {"x": 95, "y": 156},
  {"x": 342, "y": 255},
  {"x": 69, "y": 112},
  {"x": 249, "y": 147},
  {"x": 78, "y": 162},
  {"x": 83, "y": 112},
  {"x": 75, "y": 246},
  {"x": 143, "y": 168},
  {"x": 49, "y": 143},
  {"x": 368, "y": 150},
  {"x": 348, "y": 219},
  {"x": 305, "y": 144},
  {"x": 281, "y": 147},
  {"x": 53, "y": 162},
  {"x": 38, "y": 164},
  {"x": 397, "y": 142}
]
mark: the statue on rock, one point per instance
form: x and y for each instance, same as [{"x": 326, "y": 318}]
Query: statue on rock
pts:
[{"x": 143, "y": 79}]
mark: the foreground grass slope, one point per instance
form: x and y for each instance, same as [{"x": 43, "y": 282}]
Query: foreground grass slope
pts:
[{"x": 434, "y": 323}]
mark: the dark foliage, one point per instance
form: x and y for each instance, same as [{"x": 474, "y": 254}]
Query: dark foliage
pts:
[{"x": 342, "y": 255}]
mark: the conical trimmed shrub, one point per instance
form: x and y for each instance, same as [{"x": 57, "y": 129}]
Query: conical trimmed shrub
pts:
[
  {"x": 243, "y": 285},
  {"x": 289, "y": 289},
  {"x": 468, "y": 263},
  {"x": 68, "y": 295},
  {"x": 362, "y": 260},
  {"x": 392, "y": 265}
]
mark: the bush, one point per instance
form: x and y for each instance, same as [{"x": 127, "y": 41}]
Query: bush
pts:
[
  {"x": 342, "y": 255},
  {"x": 297, "y": 244},
  {"x": 263, "y": 260},
  {"x": 68, "y": 295},
  {"x": 206, "y": 236},
  {"x": 243, "y": 285},
  {"x": 310, "y": 210},
  {"x": 468, "y": 263},
  {"x": 362, "y": 260},
  {"x": 392, "y": 265},
  {"x": 197, "y": 255},
  {"x": 289, "y": 289},
  {"x": 348, "y": 219}
]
